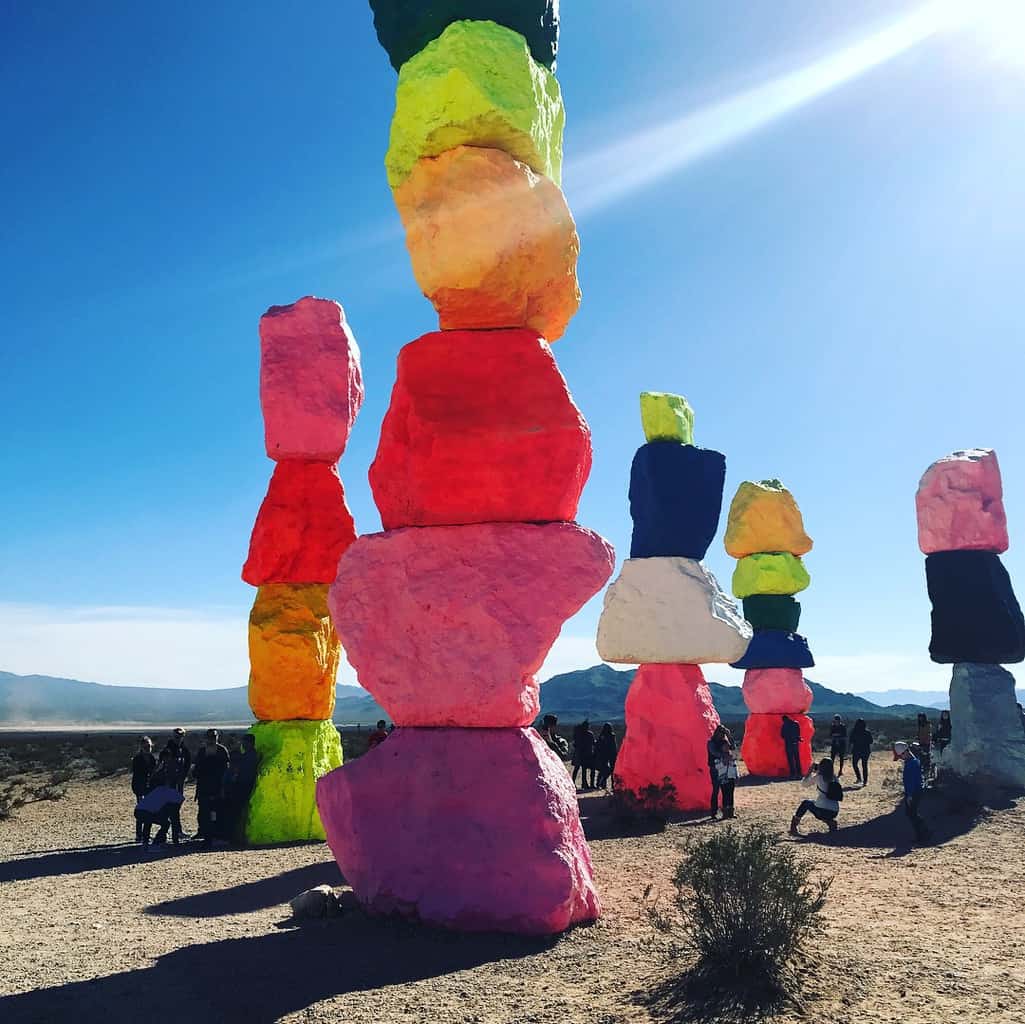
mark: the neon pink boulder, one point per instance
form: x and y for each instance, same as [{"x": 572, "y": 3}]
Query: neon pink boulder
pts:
[
  {"x": 447, "y": 626},
  {"x": 776, "y": 690},
  {"x": 302, "y": 528},
  {"x": 311, "y": 384},
  {"x": 481, "y": 428},
  {"x": 669, "y": 720},
  {"x": 763, "y": 751},
  {"x": 960, "y": 504},
  {"x": 465, "y": 828}
]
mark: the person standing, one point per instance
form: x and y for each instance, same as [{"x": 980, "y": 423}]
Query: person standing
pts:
[
  {"x": 861, "y": 747},
  {"x": 941, "y": 738},
  {"x": 726, "y": 768},
  {"x": 240, "y": 783},
  {"x": 180, "y": 760},
  {"x": 716, "y": 749},
  {"x": 583, "y": 755},
  {"x": 212, "y": 763},
  {"x": 828, "y": 794},
  {"x": 1021, "y": 716},
  {"x": 914, "y": 786},
  {"x": 606, "y": 749},
  {"x": 923, "y": 735},
  {"x": 143, "y": 766},
  {"x": 790, "y": 732},
  {"x": 378, "y": 736},
  {"x": 837, "y": 743}
]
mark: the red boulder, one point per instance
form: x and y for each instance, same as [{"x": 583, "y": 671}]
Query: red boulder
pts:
[
  {"x": 762, "y": 750},
  {"x": 303, "y": 526},
  {"x": 481, "y": 428}
]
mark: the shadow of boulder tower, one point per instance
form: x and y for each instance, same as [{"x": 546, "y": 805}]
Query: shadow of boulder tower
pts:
[
  {"x": 977, "y": 624},
  {"x": 448, "y": 613}
]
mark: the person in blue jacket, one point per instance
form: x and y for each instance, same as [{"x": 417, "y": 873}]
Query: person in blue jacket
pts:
[{"x": 914, "y": 785}]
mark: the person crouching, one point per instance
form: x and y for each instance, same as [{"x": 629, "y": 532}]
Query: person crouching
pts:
[
  {"x": 829, "y": 793},
  {"x": 161, "y": 806}
]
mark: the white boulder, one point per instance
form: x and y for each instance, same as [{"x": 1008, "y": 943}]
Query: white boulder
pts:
[
  {"x": 987, "y": 744},
  {"x": 670, "y": 611}
]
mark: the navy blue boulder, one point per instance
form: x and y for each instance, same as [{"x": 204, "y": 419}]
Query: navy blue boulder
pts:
[
  {"x": 775, "y": 648},
  {"x": 675, "y": 499},
  {"x": 975, "y": 615}
]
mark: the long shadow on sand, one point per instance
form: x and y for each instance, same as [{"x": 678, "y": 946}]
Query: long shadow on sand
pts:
[
  {"x": 259, "y": 980},
  {"x": 86, "y": 858},
  {"x": 251, "y": 896}
]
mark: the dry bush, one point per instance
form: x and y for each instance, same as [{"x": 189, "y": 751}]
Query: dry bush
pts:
[
  {"x": 651, "y": 802},
  {"x": 747, "y": 906}
]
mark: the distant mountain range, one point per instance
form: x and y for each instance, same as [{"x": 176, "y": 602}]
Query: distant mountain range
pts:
[{"x": 597, "y": 693}]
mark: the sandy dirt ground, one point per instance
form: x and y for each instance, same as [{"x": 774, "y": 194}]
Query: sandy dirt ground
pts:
[{"x": 94, "y": 929}]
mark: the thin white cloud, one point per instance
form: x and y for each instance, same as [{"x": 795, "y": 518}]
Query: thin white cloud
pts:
[{"x": 609, "y": 174}]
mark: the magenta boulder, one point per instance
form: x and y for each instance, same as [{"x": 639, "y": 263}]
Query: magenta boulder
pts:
[{"x": 474, "y": 829}]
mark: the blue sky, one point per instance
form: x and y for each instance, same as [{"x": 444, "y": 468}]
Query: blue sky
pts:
[{"x": 808, "y": 218}]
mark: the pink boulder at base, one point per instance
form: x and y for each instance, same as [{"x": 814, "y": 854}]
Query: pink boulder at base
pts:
[
  {"x": 446, "y": 626},
  {"x": 670, "y": 718},
  {"x": 311, "y": 384},
  {"x": 473, "y": 829},
  {"x": 763, "y": 751}
]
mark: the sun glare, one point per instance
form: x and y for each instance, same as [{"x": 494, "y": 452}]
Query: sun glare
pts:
[{"x": 997, "y": 25}]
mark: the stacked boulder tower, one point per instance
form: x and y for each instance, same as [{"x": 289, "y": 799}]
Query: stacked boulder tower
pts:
[
  {"x": 448, "y": 614},
  {"x": 765, "y": 532},
  {"x": 977, "y": 624},
  {"x": 311, "y": 389},
  {"x": 667, "y": 613}
]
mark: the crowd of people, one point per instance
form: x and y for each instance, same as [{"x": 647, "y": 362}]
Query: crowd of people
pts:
[
  {"x": 223, "y": 781},
  {"x": 593, "y": 758}
]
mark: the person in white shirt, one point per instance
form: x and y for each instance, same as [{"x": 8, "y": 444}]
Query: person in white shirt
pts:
[{"x": 828, "y": 794}]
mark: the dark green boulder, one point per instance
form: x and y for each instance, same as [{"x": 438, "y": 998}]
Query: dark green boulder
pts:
[
  {"x": 405, "y": 27},
  {"x": 772, "y": 611}
]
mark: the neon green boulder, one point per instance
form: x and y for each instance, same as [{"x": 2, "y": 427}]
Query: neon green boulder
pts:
[
  {"x": 476, "y": 85},
  {"x": 293, "y": 755},
  {"x": 666, "y": 417},
  {"x": 770, "y": 573}
]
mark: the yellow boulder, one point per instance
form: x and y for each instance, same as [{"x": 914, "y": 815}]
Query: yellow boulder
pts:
[
  {"x": 770, "y": 573},
  {"x": 666, "y": 417},
  {"x": 493, "y": 244},
  {"x": 293, "y": 653},
  {"x": 765, "y": 517},
  {"x": 477, "y": 85}
]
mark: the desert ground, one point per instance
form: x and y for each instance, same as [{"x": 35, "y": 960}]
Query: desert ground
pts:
[{"x": 95, "y": 929}]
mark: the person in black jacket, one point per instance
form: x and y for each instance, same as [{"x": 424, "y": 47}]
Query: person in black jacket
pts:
[
  {"x": 143, "y": 766},
  {"x": 790, "y": 733},
  {"x": 212, "y": 762},
  {"x": 605, "y": 751},
  {"x": 838, "y": 743},
  {"x": 239, "y": 785},
  {"x": 861, "y": 747},
  {"x": 180, "y": 760},
  {"x": 583, "y": 754}
]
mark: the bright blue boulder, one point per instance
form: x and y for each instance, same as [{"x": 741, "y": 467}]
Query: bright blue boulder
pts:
[
  {"x": 775, "y": 648},
  {"x": 675, "y": 499}
]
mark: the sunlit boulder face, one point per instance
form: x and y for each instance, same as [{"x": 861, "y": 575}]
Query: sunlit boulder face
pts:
[
  {"x": 293, "y": 755},
  {"x": 774, "y": 648},
  {"x": 770, "y": 573},
  {"x": 763, "y": 750},
  {"x": 960, "y": 504},
  {"x": 764, "y": 516},
  {"x": 447, "y": 626},
  {"x": 293, "y": 653},
  {"x": 481, "y": 428},
  {"x": 670, "y": 718},
  {"x": 476, "y": 85},
  {"x": 311, "y": 384},
  {"x": 303, "y": 527},
  {"x": 975, "y": 615},
  {"x": 474, "y": 829},
  {"x": 667, "y": 417},
  {"x": 987, "y": 745},
  {"x": 669, "y": 611},
  {"x": 492, "y": 243},
  {"x": 772, "y": 691},
  {"x": 405, "y": 27}
]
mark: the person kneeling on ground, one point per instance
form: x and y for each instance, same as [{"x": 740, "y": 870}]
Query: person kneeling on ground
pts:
[
  {"x": 160, "y": 806},
  {"x": 914, "y": 785},
  {"x": 829, "y": 793}
]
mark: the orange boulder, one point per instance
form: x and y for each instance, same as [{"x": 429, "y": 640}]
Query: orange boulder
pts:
[
  {"x": 293, "y": 653},
  {"x": 492, "y": 242}
]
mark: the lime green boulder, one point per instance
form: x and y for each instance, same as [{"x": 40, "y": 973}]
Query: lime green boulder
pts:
[
  {"x": 770, "y": 573},
  {"x": 666, "y": 417},
  {"x": 476, "y": 85},
  {"x": 293, "y": 755}
]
